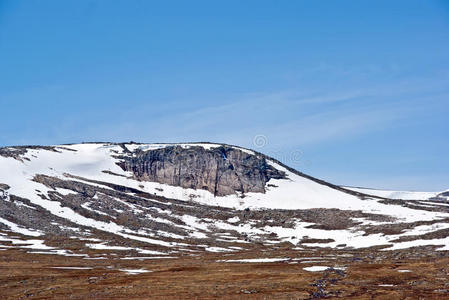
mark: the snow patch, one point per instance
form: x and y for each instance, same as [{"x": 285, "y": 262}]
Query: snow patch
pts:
[{"x": 254, "y": 260}]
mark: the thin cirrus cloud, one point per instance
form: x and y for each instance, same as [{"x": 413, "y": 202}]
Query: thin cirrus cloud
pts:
[
  {"x": 289, "y": 118},
  {"x": 311, "y": 122}
]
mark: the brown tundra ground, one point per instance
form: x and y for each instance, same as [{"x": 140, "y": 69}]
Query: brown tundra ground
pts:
[{"x": 361, "y": 274}]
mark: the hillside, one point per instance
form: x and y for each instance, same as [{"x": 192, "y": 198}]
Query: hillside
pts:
[{"x": 139, "y": 202}]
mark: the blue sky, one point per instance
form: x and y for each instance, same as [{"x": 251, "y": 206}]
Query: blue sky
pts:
[{"x": 354, "y": 92}]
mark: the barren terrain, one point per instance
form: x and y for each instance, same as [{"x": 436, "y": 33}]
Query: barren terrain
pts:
[
  {"x": 346, "y": 275},
  {"x": 206, "y": 221}
]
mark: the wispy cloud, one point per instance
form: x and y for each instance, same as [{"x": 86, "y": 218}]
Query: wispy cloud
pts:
[{"x": 286, "y": 117}]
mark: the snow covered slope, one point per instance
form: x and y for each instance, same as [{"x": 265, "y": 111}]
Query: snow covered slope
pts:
[
  {"x": 404, "y": 195},
  {"x": 82, "y": 192}
]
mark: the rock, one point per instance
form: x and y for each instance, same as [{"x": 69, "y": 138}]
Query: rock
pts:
[
  {"x": 4, "y": 194},
  {"x": 4, "y": 186},
  {"x": 221, "y": 171}
]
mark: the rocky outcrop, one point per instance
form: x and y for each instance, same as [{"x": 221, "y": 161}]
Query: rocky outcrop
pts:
[
  {"x": 444, "y": 196},
  {"x": 222, "y": 170},
  {"x": 4, "y": 194}
]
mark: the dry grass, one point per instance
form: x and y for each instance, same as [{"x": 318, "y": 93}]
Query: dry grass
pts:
[{"x": 32, "y": 276}]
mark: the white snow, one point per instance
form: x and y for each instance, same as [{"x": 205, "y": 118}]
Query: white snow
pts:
[
  {"x": 87, "y": 206},
  {"x": 15, "y": 228},
  {"x": 218, "y": 249},
  {"x": 58, "y": 252},
  {"x": 254, "y": 260},
  {"x": 195, "y": 224},
  {"x": 134, "y": 271},
  {"x": 146, "y": 257},
  {"x": 320, "y": 268},
  {"x": 151, "y": 252},
  {"x": 234, "y": 219},
  {"x": 443, "y": 244},
  {"x": 386, "y": 285},
  {"x": 31, "y": 244},
  {"x": 146, "y": 147},
  {"x": 19, "y": 203},
  {"x": 103, "y": 246},
  {"x": 65, "y": 192},
  {"x": 88, "y": 161},
  {"x": 34, "y": 244},
  {"x": 439, "y": 204},
  {"x": 404, "y": 195},
  {"x": 297, "y": 192}
]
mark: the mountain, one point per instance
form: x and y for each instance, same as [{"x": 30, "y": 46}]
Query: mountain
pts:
[
  {"x": 404, "y": 195},
  {"x": 172, "y": 199},
  {"x": 207, "y": 221}
]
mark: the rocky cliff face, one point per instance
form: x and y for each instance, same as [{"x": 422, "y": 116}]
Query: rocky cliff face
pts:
[
  {"x": 4, "y": 195},
  {"x": 444, "y": 196},
  {"x": 222, "y": 170}
]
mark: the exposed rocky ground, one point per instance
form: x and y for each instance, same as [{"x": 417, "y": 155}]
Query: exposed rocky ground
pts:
[
  {"x": 222, "y": 170},
  {"x": 201, "y": 208}
]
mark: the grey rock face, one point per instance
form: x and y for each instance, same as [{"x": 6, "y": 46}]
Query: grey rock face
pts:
[
  {"x": 222, "y": 170},
  {"x": 4, "y": 194},
  {"x": 444, "y": 196}
]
